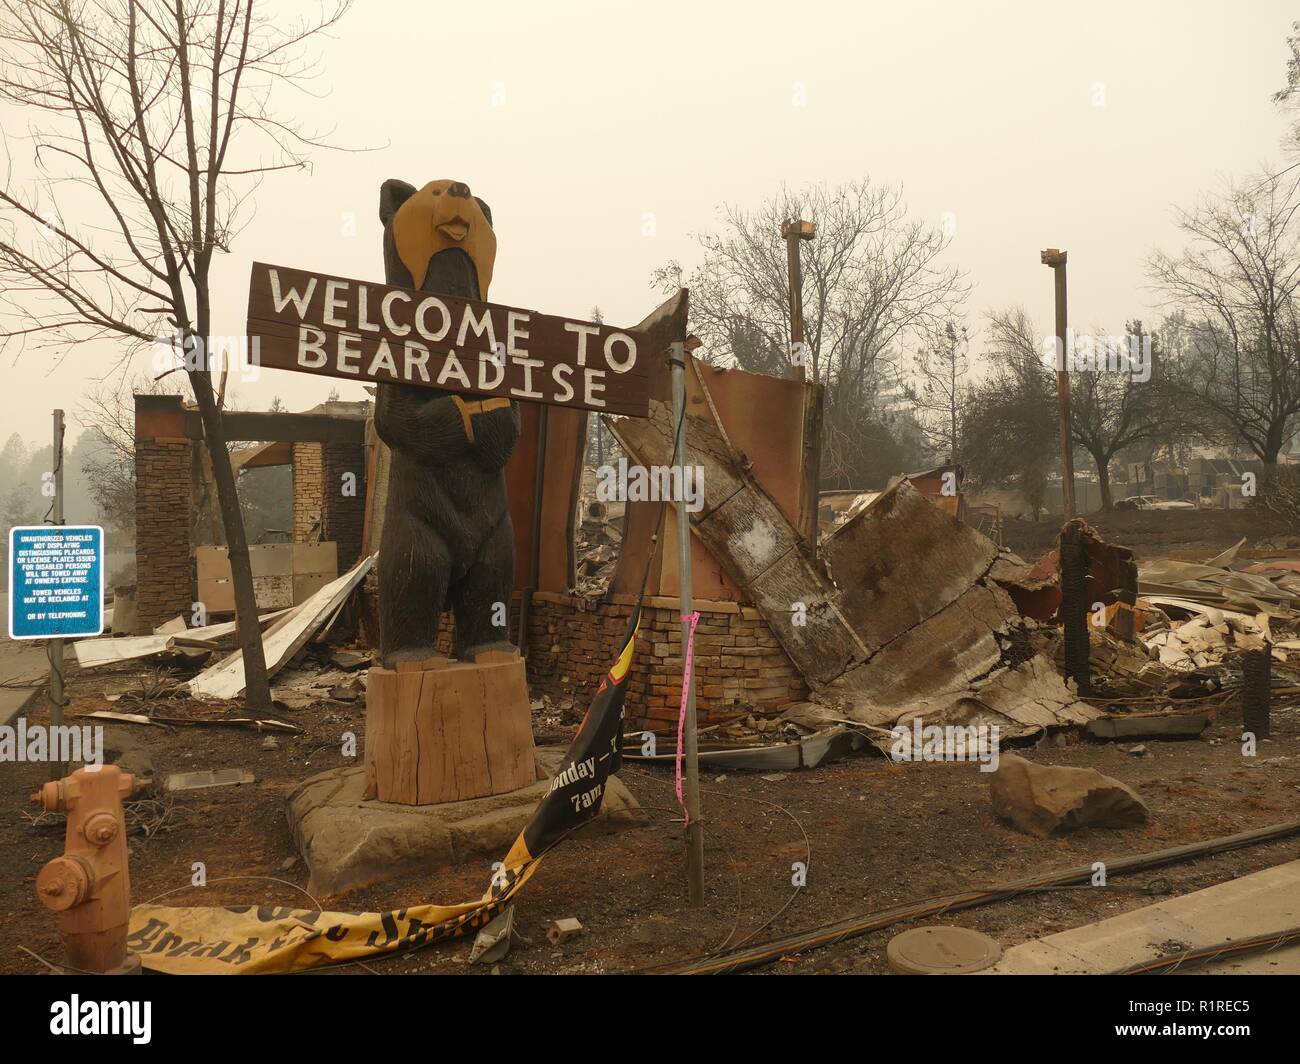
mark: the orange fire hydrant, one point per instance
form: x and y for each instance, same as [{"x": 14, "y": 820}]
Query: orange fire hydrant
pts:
[{"x": 89, "y": 886}]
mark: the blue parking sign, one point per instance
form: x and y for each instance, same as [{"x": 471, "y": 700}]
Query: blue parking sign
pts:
[{"x": 56, "y": 581}]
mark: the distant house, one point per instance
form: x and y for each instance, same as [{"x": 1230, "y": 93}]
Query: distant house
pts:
[
  {"x": 1212, "y": 477},
  {"x": 1160, "y": 478}
]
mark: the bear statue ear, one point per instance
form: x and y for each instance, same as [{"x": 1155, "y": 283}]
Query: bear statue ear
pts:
[
  {"x": 487, "y": 211},
  {"x": 392, "y": 194}
]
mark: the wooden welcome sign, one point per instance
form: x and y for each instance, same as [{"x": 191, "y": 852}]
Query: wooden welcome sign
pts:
[{"x": 362, "y": 330}]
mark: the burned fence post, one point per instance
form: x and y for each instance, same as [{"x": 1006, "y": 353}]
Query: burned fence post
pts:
[
  {"x": 1074, "y": 603},
  {"x": 1257, "y": 679},
  {"x": 1125, "y": 623}
]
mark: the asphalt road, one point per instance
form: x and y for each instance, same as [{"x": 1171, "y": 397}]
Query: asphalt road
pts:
[{"x": 23, "y": 668}]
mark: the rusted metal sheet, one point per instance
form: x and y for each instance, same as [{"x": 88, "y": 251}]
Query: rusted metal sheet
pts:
[
  {"x": 566, "y": 438},
  {"x": 764, "y": 419},
  {"x": 884, "y": 562},
  {"x": 948, "y": 651},
  {"x": 756, "y": 542}
]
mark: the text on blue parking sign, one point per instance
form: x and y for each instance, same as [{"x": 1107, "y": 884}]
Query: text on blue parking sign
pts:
[{"x": 56, "y": 581}]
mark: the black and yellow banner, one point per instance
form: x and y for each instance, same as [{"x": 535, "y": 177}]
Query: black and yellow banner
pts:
[{"x": 203, "y": 940}]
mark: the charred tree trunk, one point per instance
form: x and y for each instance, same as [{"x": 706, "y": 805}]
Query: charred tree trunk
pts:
[{"x": 257, "y": 693}]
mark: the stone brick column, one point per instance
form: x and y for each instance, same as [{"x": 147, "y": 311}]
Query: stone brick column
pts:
[
  {"x": 321, "y": 510},
  {"x": 308, "y": 509},
  {"x": 164, "y": 560}
]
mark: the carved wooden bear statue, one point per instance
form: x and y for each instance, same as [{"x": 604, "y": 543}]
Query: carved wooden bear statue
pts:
[{"x": 447, "y": 538}]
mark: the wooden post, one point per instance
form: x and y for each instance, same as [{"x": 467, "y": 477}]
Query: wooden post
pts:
[
  {"x": 690, "y": 737},
  {"x": 1056, "y": 260}
]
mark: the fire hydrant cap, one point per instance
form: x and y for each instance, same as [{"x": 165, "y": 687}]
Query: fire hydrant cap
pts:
[
  {"x": 63, "y": 883},
  {"x": 50, "y": 797},
  {"x": 101, "y": 829}
]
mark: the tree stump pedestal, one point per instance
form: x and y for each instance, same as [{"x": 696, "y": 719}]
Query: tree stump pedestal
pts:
[{"x": 444, "y": 731}]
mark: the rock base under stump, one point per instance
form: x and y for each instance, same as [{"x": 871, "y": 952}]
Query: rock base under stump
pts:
[{"x": 348, "y": 842}]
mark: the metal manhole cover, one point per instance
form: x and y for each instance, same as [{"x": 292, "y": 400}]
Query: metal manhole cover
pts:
[{"x": 941, "y": 951}]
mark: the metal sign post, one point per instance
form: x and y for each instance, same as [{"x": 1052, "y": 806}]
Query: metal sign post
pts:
[
  {"x": 690, "y": 739},
  {"x": 56, "y": 585},
  {"x": 57, "y": 772}
]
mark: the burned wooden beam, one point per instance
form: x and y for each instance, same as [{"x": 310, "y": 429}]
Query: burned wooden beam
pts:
[{"x": 249, "y": 425}]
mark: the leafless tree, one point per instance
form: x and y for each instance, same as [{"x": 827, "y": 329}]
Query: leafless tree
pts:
[
  {"x": 1288, "y": 97},
  {"x": 1114, "y": 405},
  {"x": 1009, "y": 425},
  {"x": 1238, "y": 284},
  {"x": 108, "y": 413},
  {"x": 1113, "y": 409},
  {"x": 150, "y": 128},
  {"x": 872, "y": 279},
  {"x": 942, "y": 390}
]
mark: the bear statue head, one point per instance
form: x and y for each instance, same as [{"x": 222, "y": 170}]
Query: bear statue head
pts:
[{"x": 438, "y": 238}]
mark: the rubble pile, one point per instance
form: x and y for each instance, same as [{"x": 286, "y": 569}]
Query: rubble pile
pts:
[{"x": 598, "y": 538}]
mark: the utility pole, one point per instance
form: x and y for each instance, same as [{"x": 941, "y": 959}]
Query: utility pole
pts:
[
  {"x": 55, "y": 649},
  {"x": 795, "y": 230},
  {"x": 690, "y": 738},
  {"x": 1056, "y": 260}
]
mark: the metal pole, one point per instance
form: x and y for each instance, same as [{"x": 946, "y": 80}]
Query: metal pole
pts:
[
  {"x": 690, "y": 740},
  {"x": 56, "y": 645},
  {"x": 794, "y": 231},
  {"x": 1056, "y": 260},
  {"x": 535, "y": 550}
]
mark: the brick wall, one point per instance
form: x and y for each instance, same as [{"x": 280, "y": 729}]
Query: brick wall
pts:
[
  {"x": 164, "y": 561},
  {"x": 739, "y": 665}
]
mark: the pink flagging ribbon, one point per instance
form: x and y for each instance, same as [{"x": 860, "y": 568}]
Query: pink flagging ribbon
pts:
[{"x": 694, "y": 618}]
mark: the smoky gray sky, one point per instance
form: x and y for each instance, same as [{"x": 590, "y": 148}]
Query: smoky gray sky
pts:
[{"x": 604, "y": 135}]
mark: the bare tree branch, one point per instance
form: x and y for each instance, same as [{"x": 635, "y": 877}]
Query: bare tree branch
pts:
[{"x": 116, "y": 84}]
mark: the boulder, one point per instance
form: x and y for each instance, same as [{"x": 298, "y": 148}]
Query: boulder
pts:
[
  {"x": 350, "y": 841},
  {"x": 1048, "y": 799}
]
